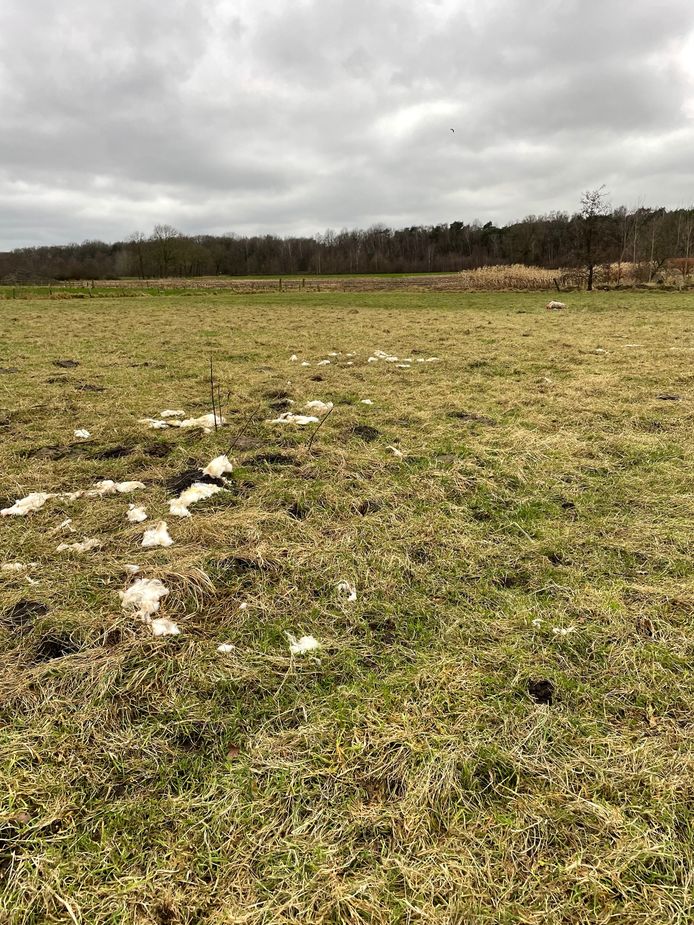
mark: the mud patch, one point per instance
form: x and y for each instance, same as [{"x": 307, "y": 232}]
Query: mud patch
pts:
[
  {"x": 23, "y": 613},
  {"x": 66, "y": 364},
  {"x": 55, "y": 645},
  {"x": 365, "y": 432},
  {"x": 367, "y": 506},
  {"x": 667, "y": 397},
  {"x": 89, "y": 387},
  {"x": 270, "y": 459},
  {"x": 298, "y": 510},
  {"x": 541, "y": 690}
]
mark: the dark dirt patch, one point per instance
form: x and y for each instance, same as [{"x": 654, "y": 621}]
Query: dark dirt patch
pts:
[
  {"x": 280, "y": 404},
  {"x": 478, "y": 364},
  {"x": 298, "y": 510},
  {"x": 367, "y": 506},
  {"x": 55, "y": 645},
  {"x": 23, "y": 613},
  {"x": 8, "y": 370},
  {"x": 243, "y": 565},
  {"x": 270, "y": 459},
  {"x": 366, "y": 432},
  {"x": 461, "y": 415},
  {"x": 158, "y": 450},
  {"x": 55, "y": 451},
  {"x": 667, "y": 397},
  {"x": 382, "y": 625},
  {"x": 118, "y": 451},
  {"x": 277, "y": 394},
  {"x": 420, "y": 554},
  {"x": 316, "y": 378},
  {"x": 178, "y": 483},
  {"x": 541, "y": 690},
  {"x": 66, "y": 364},
  {"x": 89, "y": 387},
  {"x": 57, "y": 380}
]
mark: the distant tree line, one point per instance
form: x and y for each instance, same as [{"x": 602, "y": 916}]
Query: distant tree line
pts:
[{"x": 594, "y": 235}]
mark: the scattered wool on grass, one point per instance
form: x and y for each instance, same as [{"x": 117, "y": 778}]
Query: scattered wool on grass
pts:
[
  {"x": 225, "y": 648},
  {"x": 218, "y": 467},
  {"x": 366, "y": 401},
  {"x": 319, "y": 407},
  {"x": 198, "y": 491},
  {"x": 33, "y": 502},
  {"x": 395, "y": 451},
  {"x": 347, "y": 589},
  {"x": 171, "y": 414},
  {"x": 162, "y": 626},
  {"x": 82, "y": 434},
  {"x": 303, "y": 645},
  {"x": 158, "y": 535},
  {"x": 84, "y": 546},
  {"x": 136, "y": 514},
  {"x": 289, "y": 417},
  {"x": 142, "y": 597}
]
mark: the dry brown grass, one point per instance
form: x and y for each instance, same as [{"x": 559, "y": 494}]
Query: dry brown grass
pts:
[{"x": 408, "y": 776}]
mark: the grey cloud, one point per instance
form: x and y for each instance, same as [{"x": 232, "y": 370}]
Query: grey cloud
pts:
[{"x": 262, "y": 116}]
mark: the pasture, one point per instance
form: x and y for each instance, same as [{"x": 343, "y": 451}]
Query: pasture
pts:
[{"x": 497, "y": 730}]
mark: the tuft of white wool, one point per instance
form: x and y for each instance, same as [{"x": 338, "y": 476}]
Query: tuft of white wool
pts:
[
  {"x": 82, "y": 434},
  {"x": 303, "y": 645},
  {"x": 403, "y": 366},
  {"x": 206, "y": 421},
  {"x": 136, "y": 514},
  {"x": 124, "y": 488},
  {"x": 13, "y": 567},
  {"x": 218, "y": 467},
  {"x": 162, "y": 626},
  {"x": 131, "y": 569},
  {"x": 348, "y": 590},
  {"x": 158, "y": 535},
  {"x": 84, "y": 546},
  {"x": 553, "y": 305},
  {"x": 320, "y": 407},
  {"x": 33, "y": 502},
  {"x": 366, "y": 401},
  {"x": 287, "y": 417},
  {"x": 225, "y": 648},
  {"x": 333, "y": 353},
  {"x": 198, "y": 491},
  {"x": 395, "y": 451},
  {"x": 153, "y": 423},
  {"x": 431, "y": 360},
  {"x": 323, "y": 363},
  {"x": 372, "y": 360},
  {"x": 65, "y": 525},
  {"x": 143, "y": 597},
  {"x": 293, "y": 358},
  {"x": 305, "y": 363},
  {"x": 171, "y": 414}
]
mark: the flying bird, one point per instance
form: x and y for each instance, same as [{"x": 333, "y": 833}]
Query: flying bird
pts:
[{"x": 453, "y": 130}]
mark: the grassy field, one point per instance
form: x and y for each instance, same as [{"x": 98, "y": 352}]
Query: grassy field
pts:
[{"x": 498, "y": 729}]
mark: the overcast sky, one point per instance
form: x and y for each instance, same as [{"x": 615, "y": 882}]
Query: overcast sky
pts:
[{"x": 292, "y": 117}]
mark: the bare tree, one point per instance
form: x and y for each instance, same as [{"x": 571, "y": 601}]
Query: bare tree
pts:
[{"x": 594, "y": 205}]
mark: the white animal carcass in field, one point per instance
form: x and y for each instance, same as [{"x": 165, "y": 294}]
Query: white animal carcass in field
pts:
[{"x": 553, "y": 306}]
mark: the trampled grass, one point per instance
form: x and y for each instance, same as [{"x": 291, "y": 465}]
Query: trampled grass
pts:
[{"x": 532, "y": 543}]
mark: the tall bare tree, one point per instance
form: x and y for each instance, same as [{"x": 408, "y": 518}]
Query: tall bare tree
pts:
[{"x": 594, "y": 205}]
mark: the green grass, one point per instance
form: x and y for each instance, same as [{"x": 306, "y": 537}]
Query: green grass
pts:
[{"x": 406, "y": 776}]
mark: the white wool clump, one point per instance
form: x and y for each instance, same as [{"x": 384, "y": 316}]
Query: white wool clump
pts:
[
  {"x": 293, "y": 358},
  {"x": 563, "y": 630},
  {"x": 171, "y": 414},
  {"x": 162, "y": 626},
  {"x": 288, "y": 417},
  {"x": 366, "y": 401},
  {"x": 153, "y": 423},
  {"x": 395, "y": 451},
  {"x": 136, "y": 514},
  {"x": 107, "y": 487},
  {"x": 82, "y": 434},
  {"x": 333, "y": 353},
  {"x": 320, "y": 407},
  {"x": 143, "y": 597},
  {"x": 243, "y": 606},
  {"x": 633, "y": 345},
  {"x": 13, "y": 567},
  {"x": 131, "y": 569},
  {"x": 372, "y": 360},
  {"x": 404, "y": 366},
  {"x": 206, "y": 421},
  {"x": 158, "y": 535},
  {"x": 348, "y": 589},
  {"x": 65, "y": 525},
  {"x": 600, "y": 350},
  {"x": 305, "y": 363},
  {"x": 33, "y": 502},
  {"x": 431, "y": 360},
  {"x": 198, "y": 491},
  {"x": 323, "y": 363},
  {"x": 124, "y": 488},
  {"x": 552, "y": 305},
  {"x": 84, "y": 546},
  {"x": 303, "y": 645},
  {"x": 218, "y": 467},
  {"x": 225, "y": 648}
]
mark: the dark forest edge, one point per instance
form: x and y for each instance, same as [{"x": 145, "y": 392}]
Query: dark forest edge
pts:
[{"x": 656, "y": 245}]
